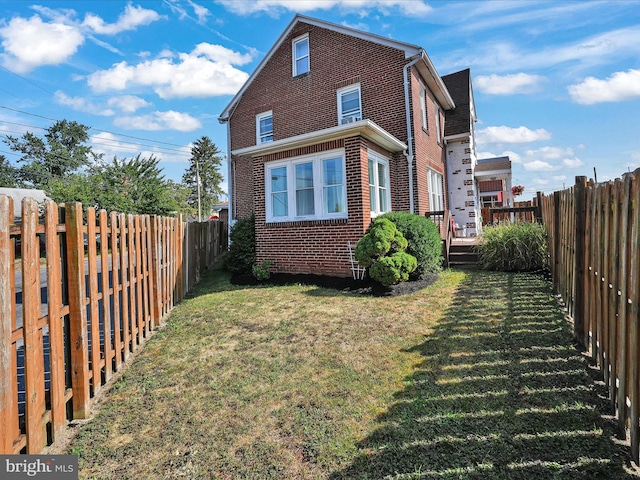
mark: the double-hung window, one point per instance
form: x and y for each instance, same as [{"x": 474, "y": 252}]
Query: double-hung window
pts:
[
  {"x": 264, "y": 127},
  {"x": 436, "y": 198},
  {"x": 349, "y": 104},
  {"x": 306, "y": 188},
  {"x": 438, "y": 131},
  {"x": 423, "y": 106},
  {"x": 379, "y": 194},
  {"x": 300, "y": 55}
]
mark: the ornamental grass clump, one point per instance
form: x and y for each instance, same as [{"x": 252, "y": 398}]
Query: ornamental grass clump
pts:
[
  {"x": 382, "y": 250},
  {"x": 423, "y": 241},
  {"x": 513, "y": 247}
]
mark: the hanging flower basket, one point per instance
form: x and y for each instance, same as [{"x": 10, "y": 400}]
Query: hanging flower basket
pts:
[{"x": 517, "y": 190}]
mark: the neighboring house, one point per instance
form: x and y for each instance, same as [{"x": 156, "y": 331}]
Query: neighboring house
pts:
[
  {"x": 493, "y": 176},
  {"x": 334, "y": 127},
  {"x": 220, "y": 212}
]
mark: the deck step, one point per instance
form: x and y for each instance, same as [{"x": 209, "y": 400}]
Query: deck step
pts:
[{"x": 463, "y": 255}]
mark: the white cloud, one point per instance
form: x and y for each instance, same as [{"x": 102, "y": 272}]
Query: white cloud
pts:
[
  {"x": 508, "y": 84},
  {"x": 170, "y": 120},
  {"x": 128, "y": 103},
  {"x": 82, "y": 104},
  {"x": 549, "y": 153},
  {"x": 201, "y": 12},
  {"x": 414, "y": 7},
  {"x": 539, "y": 166},
  {"x": 513, "y": 156},
  {"x": 618, "y": 87},
  {"x": 205, "y": 72},
  {"x": 505, "y": 134},
  {"x": 31, "y": 43},
  {"x": 130, "y": 19},
  {"x": 574, "y": 162},
  {"x": 559, "y": 178}
]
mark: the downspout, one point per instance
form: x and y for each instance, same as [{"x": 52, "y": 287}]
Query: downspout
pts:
[{"x": 409, "y": 152}]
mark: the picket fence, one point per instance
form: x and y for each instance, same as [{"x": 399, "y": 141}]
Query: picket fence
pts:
[
  {"x": 594, "y": 237},
  {"x": 84, "y": 294}
]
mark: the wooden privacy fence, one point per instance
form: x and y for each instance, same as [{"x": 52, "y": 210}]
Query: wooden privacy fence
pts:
[
  {"x": 594, "y": 235},
  {"x": 527, "y": 211},
  {"x": 82, "y": 297}
]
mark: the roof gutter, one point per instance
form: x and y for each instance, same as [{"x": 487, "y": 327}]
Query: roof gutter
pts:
[{"x": 409, "y": 152}]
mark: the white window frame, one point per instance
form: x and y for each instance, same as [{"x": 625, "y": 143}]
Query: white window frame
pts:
[
  {"x": 438, "y": 126},
  {"x": 260, "y": 137},
  {"x": 436, "y": 187},
  {"x": 375, "y": 207},
  {"x": 423, "y": 107},
  {"x": 318, "y": 187},
  {"x": 342, "y": 91},
  {"x": 294, "y": 66}
]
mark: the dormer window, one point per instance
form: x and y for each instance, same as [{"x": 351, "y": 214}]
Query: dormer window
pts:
[
  {"x": 349, "y": 105},
  {"x": 264, "y": 127},
  {"x": 300, "y": 55}
]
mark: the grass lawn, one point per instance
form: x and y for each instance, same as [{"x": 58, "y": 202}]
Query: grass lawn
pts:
[{"x": 472, "y": 377}]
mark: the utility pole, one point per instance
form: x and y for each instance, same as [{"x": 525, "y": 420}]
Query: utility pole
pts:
[{"x": 198, "y": 181}]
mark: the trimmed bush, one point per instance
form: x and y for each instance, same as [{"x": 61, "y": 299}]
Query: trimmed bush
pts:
[
  {"x": 382, "y": 238},
  {"x": 242, "y": 251},
  {"x": 423, "y": 238},
  {"x": 393, "y": 269},
  {"x": 513, "y": 247},
  {"x": 382, "y": 251}
]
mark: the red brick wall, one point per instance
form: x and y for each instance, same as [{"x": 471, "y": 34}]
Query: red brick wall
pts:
[
  {"x": 308, "y": 103},
  {"x": 428, "y": 152}
]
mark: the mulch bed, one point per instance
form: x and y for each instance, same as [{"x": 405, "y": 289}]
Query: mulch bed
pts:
[{"x": 364, "y": 287}]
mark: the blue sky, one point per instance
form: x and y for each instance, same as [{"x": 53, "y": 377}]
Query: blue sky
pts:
[{"x": 557, "y": 84}]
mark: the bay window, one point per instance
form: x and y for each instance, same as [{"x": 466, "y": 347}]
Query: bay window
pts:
[{"x": 306, "y": 188}]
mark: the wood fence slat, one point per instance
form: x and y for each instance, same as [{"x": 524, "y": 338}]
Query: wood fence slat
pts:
[
  {"x": 634, "y": 387},
  {"x": 106, "y": 294},
  {"x": 56, "y": 319},
  {"x": 94, "y": 317},
  {"x": 139, "y": 276},
  {"x": 125, "y": 284},
  {"x": 33, "y": 339},
  {"x": 8, "y": 381},
  {"x": 613, "y": 294},
  {"x": 116, "y": 288},
  {"x": 77, "y": 311}
]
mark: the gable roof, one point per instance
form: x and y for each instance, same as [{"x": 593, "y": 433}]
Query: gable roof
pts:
[
  {"x": 458, "y": 120},
  {"x": 425, "y": 67}
]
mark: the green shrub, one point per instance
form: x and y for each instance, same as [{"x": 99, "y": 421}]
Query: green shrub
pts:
[
  {"x": 382, "y": 249},
  {"x": 262, "y": 271},
  {"x": 382, "y": 238},
  {"x": 423, "y": 239},
  {"x": 242, "y": 252},
  {"x": 393, "y": 269},
  {"x": 513, "y": 247}
]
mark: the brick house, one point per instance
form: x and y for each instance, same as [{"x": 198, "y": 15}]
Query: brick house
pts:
[{"x": 334, "y": 127}]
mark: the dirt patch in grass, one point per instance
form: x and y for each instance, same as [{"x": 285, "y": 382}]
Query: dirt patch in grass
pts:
[
  {"x": 472, "y": 377},
  {"x": 362, "y": 287}
]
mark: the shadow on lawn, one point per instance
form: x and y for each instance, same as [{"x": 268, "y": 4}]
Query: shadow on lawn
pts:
[{"x": 501, "y": 393}]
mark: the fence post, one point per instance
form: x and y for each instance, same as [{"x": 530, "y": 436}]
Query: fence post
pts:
[
  {"x": 77, "y": 311},
  {"x": 156, "y": 294},
  {"x": 580, "y": 193},
  {"x": 538, "y": 213},
  {"x": 556, "y": 242}
]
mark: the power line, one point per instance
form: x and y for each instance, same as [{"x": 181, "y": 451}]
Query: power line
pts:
[
  {"x": 93, "y": 128},
  {"x": 105, "y": 141}
]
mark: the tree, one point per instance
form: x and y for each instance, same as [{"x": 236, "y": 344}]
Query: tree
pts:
[
  {"x": 133, "y": 186},
  {"x": 204, "y": 166},
  {"x": 8, "y": 174},
  {"x": 62, "y": 152}
]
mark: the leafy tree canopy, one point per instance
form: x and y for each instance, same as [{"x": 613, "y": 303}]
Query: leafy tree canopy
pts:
[
  {"x": 61, "y": 152},
  {"x": 8, "y": 174}
]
